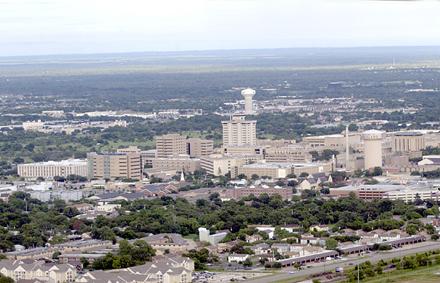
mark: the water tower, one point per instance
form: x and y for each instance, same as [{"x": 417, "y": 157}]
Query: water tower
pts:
[{"x": 248, "y": 94}]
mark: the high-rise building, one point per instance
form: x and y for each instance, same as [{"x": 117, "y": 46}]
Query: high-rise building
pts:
[
  {"x": 372, "y": 148},
  {"x": 197, "y": 147},
  {"x": 239, "y": 132},
  {"x": 248, "y": 94},
  {"x": 115, "y": 165},
  {"x": 170, "y": 145},
  {"x": 408, "y": 142}
]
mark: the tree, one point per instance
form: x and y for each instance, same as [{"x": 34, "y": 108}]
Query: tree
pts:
[
  {"x": 4, "y": 279},
  {"x": 248, "y": 262},
  {"x": 255, "y": 177},
  {"x": 411, "y": 229},
  {"x": 331, "y": 244},
  {"x": 84, "y": 262},
  {"x": 408, "y": 263},
  {"x": 56, "y": 255}
]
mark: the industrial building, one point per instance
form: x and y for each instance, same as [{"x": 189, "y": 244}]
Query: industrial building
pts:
[
  {"x": 408, "y": 142},
  {"x": 372, "y": 148}
]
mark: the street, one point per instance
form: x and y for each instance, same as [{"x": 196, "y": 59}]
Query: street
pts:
[{"x": 348, "y": 262}]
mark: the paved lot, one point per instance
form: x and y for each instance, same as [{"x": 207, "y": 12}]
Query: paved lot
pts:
[{"x": 347, "y": 262}]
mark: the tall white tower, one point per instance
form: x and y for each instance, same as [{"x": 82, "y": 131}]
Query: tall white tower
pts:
[
  {"x": 248, "y": 94},
  {"x": 372, "y": 148}
]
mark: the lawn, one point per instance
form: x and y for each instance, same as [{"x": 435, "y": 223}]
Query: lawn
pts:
[{"x": 425, "y": 275}]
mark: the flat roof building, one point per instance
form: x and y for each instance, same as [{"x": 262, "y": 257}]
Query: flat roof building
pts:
[
  {"x": 51, "y": 169},
  {"x": 170, "y": 145},
  {"x": 239, "y": 132},
  {"x": 408, "y": 142},
  {"x": 178, "y": 164},
  {"x": 114, "y": 165},
  {"x": 197, "y": 147}
]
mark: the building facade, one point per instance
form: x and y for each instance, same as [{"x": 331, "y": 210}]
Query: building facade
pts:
[
  {"x": 170, "y": 145},
  {"x": 51, "y": 169},
  {"x": 408, "y": 142},
  {"x": 183, "y": 163},
  {"x": 197, "y": 147},
  {"x": 117, "y": 165},
  {"x": 287, "y": 154},
  {"x": 239, "y": 132}
]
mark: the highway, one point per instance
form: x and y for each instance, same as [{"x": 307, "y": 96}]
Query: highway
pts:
[{"x": 284, "y": 275}]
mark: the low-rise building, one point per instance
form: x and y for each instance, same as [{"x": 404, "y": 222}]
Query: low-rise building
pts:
[
  {"x": 173, "y": 269},
  {"x": 238, "y": 258},
  {"x": 172, "y": 242},
  {"x": 282, "y": 170},
  {"x": 219, "y": 165},
  {"x": 51, "y": 169},
  {"x": 32, "y": 270},
  {"x": 177, "y": 164},
  {"x": 238, "y": 193},
  {"x": 205, "y": 236}
]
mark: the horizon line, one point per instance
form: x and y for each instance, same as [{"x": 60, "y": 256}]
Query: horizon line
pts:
[{"x": 219, "y": 50}]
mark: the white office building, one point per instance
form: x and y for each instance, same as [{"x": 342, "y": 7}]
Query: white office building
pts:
[{"x": 51, "y": 169}]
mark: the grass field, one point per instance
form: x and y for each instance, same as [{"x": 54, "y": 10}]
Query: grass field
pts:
[{"x": 421, "y": 275}]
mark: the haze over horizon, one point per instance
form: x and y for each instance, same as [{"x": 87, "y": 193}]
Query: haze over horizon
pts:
[{"x": 82, "y": 27}]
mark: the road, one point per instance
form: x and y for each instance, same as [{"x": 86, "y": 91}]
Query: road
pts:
[{"x": 283, "y": 275}]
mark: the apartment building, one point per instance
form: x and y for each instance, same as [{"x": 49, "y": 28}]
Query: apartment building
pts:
[
  {"x": 37, "y": 270},
  {"x": 115, "y": 165},
  {"x": 239, "y": 132},
  {"x": 164, "y": 269},
  {"x": 51, "y": 169}
]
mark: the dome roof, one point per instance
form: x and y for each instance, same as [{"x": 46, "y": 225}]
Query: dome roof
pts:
[{"x": 248, "y": 91}]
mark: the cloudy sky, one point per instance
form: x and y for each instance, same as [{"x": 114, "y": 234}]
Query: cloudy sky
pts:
[{"x": 93, "y": 26}]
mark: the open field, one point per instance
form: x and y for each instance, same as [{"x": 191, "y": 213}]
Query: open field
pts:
[{"x": 425, "y": 275}]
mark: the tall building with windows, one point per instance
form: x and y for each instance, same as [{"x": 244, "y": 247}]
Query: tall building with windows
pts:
[
  {"x": 170, "y": 145},
  {"x": 115, "y": 165},
  {"x": 197, "y": 147},
  {"x": 239, "y": 132}
]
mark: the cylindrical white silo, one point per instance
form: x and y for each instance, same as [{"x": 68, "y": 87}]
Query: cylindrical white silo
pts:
[{"x": 372, "y": 148}]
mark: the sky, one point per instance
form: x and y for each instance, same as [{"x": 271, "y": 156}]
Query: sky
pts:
[{"x": 35, "y": 27}]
